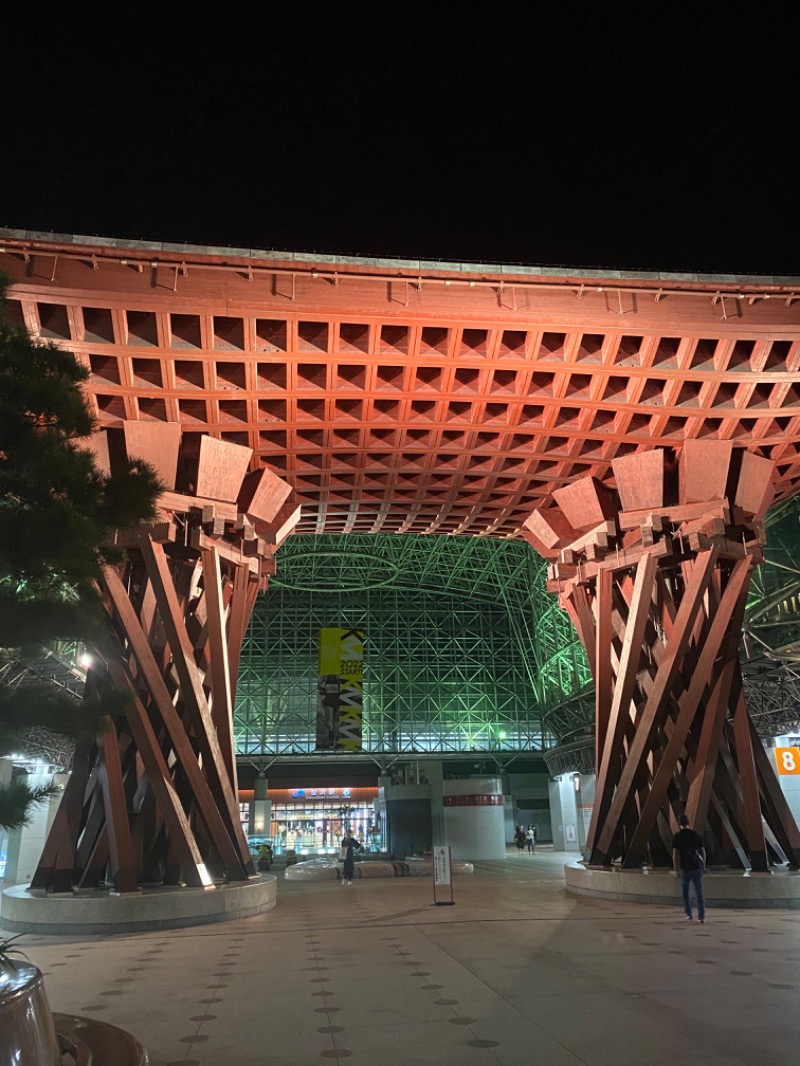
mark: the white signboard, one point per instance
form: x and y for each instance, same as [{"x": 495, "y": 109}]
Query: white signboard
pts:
[{"x": 442, "y": 875}]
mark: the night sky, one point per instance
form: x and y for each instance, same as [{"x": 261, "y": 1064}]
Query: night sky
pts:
[{"x": 619, "y": 135}]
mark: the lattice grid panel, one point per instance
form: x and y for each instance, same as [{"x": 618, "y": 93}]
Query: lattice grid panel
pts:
[{"x": 411, "y": 408}]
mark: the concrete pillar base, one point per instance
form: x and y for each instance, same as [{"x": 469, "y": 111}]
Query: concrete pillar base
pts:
[
  {"x": 722, "y": 888},
  {"x": 160, "y": 908}
]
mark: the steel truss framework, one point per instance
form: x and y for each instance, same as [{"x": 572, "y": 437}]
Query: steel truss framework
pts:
[
  {"x": 454, "y": 657},
  {"x": 554, "y": 701},
  {"x": 558, "y": 693},
  {"x": 771, "y": 632},
  {"x": 58, "y": 666}
]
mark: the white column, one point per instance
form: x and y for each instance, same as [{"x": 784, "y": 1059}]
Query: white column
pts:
[
  {"x": 788, "y": 771},
  {"x": 474, "y": 820},
  {"x": 564, "y": 813},
  {"x": 6, "y": 770},
  {"x": 260, "y": 809},
  {"x": 585, "y": 803}
]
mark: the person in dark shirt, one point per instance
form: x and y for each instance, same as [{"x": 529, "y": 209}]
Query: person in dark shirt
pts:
[
  {"x": 689, "y": 862},
  {"x": 349, "y": 845}
]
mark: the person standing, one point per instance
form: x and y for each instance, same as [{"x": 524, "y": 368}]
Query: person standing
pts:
[
  {"x": 519, "y": 839},
  {"x": 689, "y": 863},
  {"x": 530, "y": 837},
  {"x": 349, "y": 845}
]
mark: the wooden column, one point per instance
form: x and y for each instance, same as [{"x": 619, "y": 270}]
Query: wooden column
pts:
[
  {"x": 661, "y": 564},
  {"x": 159, "y": 788}
]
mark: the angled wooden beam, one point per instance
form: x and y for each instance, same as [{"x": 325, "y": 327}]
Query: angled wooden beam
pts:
[
  {"x": 195, "y": 698},
  {"x": 690, "y": 604},
  {"x": 182, "y": 747},
  {"x": 222, "y": 703},
  {"x": 56, "y": 867},
  {"x": 731, "y": 606},
  {"x": 702, "y": 769},
  {"x": 160, "y": 780},
  {"x": 94, "y": 859},
  {"x": 733, "y": 837},
  {"x": 576, "y": 603},
  {"x": 116, "y": 810},
  {"x": 237, "y": 623},
  {"x": 619, "y": 714},
  {"x": 603, "y": 673},
  {"x": 745, "y": 759}
]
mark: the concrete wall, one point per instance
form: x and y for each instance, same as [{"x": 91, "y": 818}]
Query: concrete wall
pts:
[{"x": 476, "y": 829}]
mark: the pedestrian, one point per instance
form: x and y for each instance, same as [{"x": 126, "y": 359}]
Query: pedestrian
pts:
[
  {"x": 348, "y": 853},
  {"x": 530, "y": 838},
  {"x": 519, "y": 839},
  {"x": 689, "y": 863}
]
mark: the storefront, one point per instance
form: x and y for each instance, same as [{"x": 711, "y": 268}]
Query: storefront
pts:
[{"x": 312, "y": 821}]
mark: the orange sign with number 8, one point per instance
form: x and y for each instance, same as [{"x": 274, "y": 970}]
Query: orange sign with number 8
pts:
[{"x": 788, "y": 760}]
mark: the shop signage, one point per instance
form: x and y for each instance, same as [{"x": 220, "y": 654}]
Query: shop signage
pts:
[
  {"x": 472, "y": 801},
  {"x": 320, "y": 793},
  {"x": 788, "y": 760}
]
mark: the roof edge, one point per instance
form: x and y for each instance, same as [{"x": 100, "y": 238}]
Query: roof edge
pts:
[{"x": 400, "y": 265}]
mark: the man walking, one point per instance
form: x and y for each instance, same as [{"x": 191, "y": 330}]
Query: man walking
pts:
[{"x": 689, "y": 863}]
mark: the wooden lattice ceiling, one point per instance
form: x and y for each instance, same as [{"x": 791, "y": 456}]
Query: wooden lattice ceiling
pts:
[{"x": 426, "y": 398}]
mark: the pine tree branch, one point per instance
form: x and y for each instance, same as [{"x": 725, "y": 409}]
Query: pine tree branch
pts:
[{"x": 17, "y": 801}]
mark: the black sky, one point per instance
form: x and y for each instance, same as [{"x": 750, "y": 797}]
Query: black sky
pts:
[{"x": 616, "y": 135}]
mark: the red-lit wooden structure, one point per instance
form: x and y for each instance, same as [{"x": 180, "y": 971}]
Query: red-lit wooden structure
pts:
[
  {"x": 155, "y": 798},
  {"x": 402, "y": 396},
  {"x": 405, "y": 397},
  {"x": 654, "y": 576}
]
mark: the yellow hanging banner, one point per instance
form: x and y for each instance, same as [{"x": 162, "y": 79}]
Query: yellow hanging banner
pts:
[{"x": 340, "y": 689}]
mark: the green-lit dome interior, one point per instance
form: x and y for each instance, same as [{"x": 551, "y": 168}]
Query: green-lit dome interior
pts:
[{"x": 464, "y": 650}]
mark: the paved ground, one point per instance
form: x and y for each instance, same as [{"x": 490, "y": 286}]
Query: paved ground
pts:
[{"x": 514, "y": 973}]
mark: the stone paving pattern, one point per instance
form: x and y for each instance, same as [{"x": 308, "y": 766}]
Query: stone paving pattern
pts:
[{"x": 515, "y": 972}]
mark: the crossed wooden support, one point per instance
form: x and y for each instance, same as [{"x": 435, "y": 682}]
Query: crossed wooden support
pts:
[
  {"x": 154, "y": 799},
  {"x": 654, "y": 574}
]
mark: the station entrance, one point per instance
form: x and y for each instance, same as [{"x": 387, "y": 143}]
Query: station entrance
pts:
[{"x": 313, "y": 821}]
